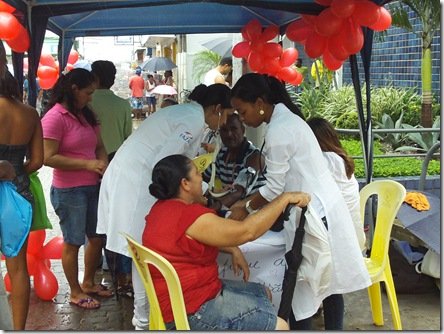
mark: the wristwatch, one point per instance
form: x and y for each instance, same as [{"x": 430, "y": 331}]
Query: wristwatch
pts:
[{"x": 249, "y": 209}]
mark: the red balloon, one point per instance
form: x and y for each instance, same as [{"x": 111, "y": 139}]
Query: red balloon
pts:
[
  {"x": 241, "y": 50},
  {"x": 331, "y": 62},
  {"x": 342, "y": 8},
  {"x": 298, "y": 80},
  {"x": 47, "y": 83},
  {"x": 353, "y": 41},
  {"x": 53, "y": 249},
  {"x": 384, "y": 22},
  {"x": 4, "y": 7},
  {"x": 69, "y": 67},
  {"x": 323, "y": 2},
  {"x": 253, "y": 30},
  {"x": 272, "y": 50},
  {"x": 257, "y": 46},
  {"x": 7, "y": 281},
  {"x": 35, "y": 241},
  {"x": 45, "y": 283},
  {"x": 269, "y": 33},
  {"x": 48, "y": 60},
  {"x": 327, "y": 23},
  {"x": 21, "y": 43},
  {"x": 73, "y": 57},
  {"x": 255, "y": 61},
  {"x": 288, "y": 74},
  {"x": 366, "y": 13},
  {"x": 309, "y": 19},
  {"x": 272, "y": 66},
  {"x": 315, "y": 45},
  {"x": 46, "y": 72},
  {"x": 335, "y": 46},
  {"x": 288, "y": 57},
  {"x": 9, "y": 26},
  {"x": 298, "y": 31}
]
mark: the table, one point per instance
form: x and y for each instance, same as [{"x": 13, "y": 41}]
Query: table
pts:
[
  {"x": 425, "y": 225},
  {"x": 265, "y": 257}
]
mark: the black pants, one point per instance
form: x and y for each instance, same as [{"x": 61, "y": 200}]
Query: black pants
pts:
[{"x": 333, "y": 315}]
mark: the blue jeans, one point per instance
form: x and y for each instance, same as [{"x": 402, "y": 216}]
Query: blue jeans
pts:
[
  {"x": 76, "y": 208},
  {"x": 333, "y": 315},
  {"x": 239, "y": 306}
]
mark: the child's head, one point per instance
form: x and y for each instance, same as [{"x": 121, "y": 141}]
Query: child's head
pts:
[{"x": 169, "y": 101}]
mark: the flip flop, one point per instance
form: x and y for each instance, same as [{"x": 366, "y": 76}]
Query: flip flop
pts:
[
  {"x": 86, "y": 303},
  {"x": 102, "y": 291}
]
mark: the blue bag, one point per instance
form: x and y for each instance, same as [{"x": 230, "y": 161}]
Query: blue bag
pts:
[{"x": 15, "y": 219}]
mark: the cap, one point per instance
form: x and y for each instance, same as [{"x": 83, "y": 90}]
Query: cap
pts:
[{"x": 138, "y": 70}]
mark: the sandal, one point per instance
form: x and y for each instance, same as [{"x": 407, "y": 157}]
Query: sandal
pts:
[
  {"x": 86, "y": 303},
  {"x": 99, "y": 290}
]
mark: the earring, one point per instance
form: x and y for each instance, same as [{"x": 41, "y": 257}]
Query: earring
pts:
[{"x": 261, "y": 112}]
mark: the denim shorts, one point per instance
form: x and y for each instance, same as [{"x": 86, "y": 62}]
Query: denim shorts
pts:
[
  {"x": 151, "y": 100},
  {"x": 239, "y": 306},
  {"x": 137, "y": 102},
  {"x": 77, "y": 211}
]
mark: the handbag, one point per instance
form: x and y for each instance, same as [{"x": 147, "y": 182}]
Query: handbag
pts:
[
  {"x": 430, "y": 265},
  {"x": 15, "y": 219},
  {"x": 40, "y": 220}
]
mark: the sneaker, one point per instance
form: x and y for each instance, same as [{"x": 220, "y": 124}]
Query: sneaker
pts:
[{"x": 137, "y": 328}]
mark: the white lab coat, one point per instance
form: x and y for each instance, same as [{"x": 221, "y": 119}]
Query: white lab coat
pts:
[
  {"x": 124, "y": 198},
  {"x": 295, "y": 162},
  {"x": 350, "y": 191}
]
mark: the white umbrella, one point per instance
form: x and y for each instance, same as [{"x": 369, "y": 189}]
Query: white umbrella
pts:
[
  {"x": 222, "y": 46},
  {"x": 164, "y": 90}
]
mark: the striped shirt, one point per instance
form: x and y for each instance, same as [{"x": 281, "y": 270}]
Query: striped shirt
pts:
[{"x": 228, "y": 171}]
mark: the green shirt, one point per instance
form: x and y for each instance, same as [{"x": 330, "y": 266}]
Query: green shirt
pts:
[{"x": 114, "y": 114}]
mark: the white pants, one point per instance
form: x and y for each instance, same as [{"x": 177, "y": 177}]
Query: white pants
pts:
[{"x": 141, "y": 305}]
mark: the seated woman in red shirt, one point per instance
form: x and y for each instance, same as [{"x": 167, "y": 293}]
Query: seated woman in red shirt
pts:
[{"x": 190, "y": 235}]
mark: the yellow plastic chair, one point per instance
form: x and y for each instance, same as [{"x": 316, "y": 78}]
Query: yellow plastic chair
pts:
[
  {"x": 143, "y": 256},
  {"x": 390, "y": 195}
]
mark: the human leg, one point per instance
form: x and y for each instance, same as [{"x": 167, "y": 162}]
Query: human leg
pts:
[
  {"x": 304, "y": 324},
  {"x": 141, "y": 306},
  {"x": 333, "y": 312},
  {"x": 20, "y": 287}
]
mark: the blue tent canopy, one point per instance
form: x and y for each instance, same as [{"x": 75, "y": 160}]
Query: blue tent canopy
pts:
[{"x": 75, "y": 18}]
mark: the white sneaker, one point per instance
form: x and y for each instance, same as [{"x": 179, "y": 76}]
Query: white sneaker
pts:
[{"x": 137, "y": 328}]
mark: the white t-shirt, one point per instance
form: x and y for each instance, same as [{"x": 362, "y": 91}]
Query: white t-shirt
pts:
[{"x": 210, "y": 77}]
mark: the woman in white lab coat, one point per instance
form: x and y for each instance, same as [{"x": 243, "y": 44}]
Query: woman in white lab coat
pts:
[
  {"x": 124, "y": 199},
  {"x": 295, "y": 163}
]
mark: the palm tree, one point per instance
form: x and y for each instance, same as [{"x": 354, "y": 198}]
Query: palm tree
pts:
[
  {"x": 429, "y": 13},
  {"x": 203, "y": 62}
]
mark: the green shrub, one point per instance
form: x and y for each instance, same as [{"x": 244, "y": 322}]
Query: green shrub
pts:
[{"x": 388, "y": 167}]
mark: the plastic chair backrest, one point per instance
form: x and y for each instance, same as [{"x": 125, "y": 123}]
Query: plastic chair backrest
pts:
[
  {"x": 390, "y": 195},
  {"x": 142, "y": 256}
]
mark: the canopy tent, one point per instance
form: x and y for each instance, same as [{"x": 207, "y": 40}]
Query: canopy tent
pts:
[{"x": 75, "y": 18}]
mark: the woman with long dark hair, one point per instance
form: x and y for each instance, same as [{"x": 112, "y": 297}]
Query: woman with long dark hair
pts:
[
  {"x": 21, "y": 145},
  {"x": 74, "y": 148},
  {"x": 295, "y": 163}
]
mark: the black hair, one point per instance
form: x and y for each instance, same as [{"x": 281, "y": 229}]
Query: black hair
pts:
[
  {"x": 226, "y": 61},
  {"x": 252, "y": 86},
  {"x": 211, "y": 95},
  {"x": 62, "y": 92},
  {"x": 168, "y": 174},
  {"x": 9, "y": 86},
  {"x": 105, "y": 71}
]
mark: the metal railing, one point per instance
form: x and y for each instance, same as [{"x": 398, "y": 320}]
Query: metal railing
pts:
[{"x": 400, "y": 155}]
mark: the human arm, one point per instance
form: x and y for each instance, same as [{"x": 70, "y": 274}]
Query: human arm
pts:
[
  {"x": 219, "y": 79},
  {"x": 53, "y": 159},
  {"x": 101, "y": 151},
  {"x": 238, "y": 261},
  {"x": 7, "y": 171},
  {"x": 215, "y": 231},
  {"x": 35, "y": 160}
]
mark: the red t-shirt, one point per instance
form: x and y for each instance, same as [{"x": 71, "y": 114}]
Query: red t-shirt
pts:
[
  {"x": 137, "y": 85},
  {"x": 195, "y": 263}
]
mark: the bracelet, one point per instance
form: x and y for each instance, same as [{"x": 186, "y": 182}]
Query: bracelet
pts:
[{"x": 249, "y": 209}]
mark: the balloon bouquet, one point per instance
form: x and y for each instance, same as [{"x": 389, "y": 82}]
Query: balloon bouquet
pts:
[
  {"x": 11, "y": 30},
  {"x": 48, "y": 70},
  {"x": 38, "y": 260},
  {"x": 334, "y": 34}
]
